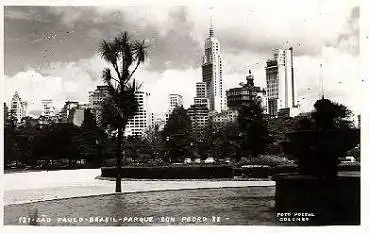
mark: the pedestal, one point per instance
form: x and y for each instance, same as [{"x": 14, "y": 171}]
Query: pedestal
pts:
[{"x": 333, "y": 202}]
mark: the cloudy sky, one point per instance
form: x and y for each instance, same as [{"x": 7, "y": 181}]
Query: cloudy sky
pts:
[{"x": 51, "y": 52}]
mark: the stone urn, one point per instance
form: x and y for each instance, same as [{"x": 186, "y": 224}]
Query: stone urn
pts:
[{"x": 329, "y": 196}]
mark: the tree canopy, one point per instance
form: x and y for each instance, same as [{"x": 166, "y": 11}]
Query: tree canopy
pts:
[
  {"x": 253, "y": 127},
  {"x": 177, "y": 134}
]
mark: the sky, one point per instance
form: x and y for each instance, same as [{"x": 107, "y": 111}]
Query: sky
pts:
[{"x": 51, "y": 51}]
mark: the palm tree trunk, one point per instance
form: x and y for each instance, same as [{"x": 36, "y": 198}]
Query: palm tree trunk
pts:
[{"x": 118, "y": 183}]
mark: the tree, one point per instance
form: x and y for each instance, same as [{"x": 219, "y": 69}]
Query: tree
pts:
[
  {"x": 93, "y": 139},
  {"x": 219, "y": 140},
  {"x": 125, "y": 55},
  {"x": 329, "y": 115},
  {"x": 153, "y": 141},
  {"x": 10, "y": 152},
  {"x": 253, "y": 127},
  {"x": 177, "y": 134},
  {"x": 64, "y": 140},
  {"x": 277, "y": 129}
]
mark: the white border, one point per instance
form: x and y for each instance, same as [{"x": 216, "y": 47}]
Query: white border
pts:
[{"x": 364, "y": 43}]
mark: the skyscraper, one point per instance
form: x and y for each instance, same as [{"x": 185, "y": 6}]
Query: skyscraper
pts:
[
  {"x": 280, "y": 81},
  {"x": 212, "y": 73},
  {"x": 18, "y": 108}
]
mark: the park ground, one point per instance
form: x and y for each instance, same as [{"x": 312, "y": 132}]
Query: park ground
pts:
[
  {"x": 27, "y": 187},
  {"x": 80, "y": 193}
]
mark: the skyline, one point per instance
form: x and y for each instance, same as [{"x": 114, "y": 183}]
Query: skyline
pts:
[{"x": 51, "y": 52}]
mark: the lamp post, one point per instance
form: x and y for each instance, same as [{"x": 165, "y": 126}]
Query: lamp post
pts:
[
  {"x": 168, "y": 152},
  {"x": 99, "y": 155},
  {"x": 191, "y": 150}
]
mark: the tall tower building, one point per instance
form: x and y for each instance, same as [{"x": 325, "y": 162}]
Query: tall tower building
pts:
[
  {"x": 18, "y": 108},
  {"x": 281, "y": 93},
  {"x": 212, "y": 73}
]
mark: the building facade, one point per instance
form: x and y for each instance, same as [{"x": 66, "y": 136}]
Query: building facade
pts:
[
  {"x": 224, "y": 117},
  {"x": 18, "y": 108},
  {"x": 68, "y": 110},
  {"x": 238, "y": 96},
  {"x": 201, "y": 89},
  {"x": 96, "y": 100},
  {"x": 199, "y": 111},
  {"x": 199, "y": 115},
  {"x": 137, "y": 125},
  {"x": 48, "y": 108},
  {"x": 175, "y": 100},
  {"x": 212, "y": 74},
  {"x": 6, "y": 113},
  {"x": 281, "y": 93},
  {"x": 200, "y": 98}
]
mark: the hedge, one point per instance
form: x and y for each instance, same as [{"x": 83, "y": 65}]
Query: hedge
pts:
[
  {"x": 353, "y": 166},
  {"x": 288, "y": 168},
  {"x": 267, "y": 160},
  {"x": 172, "y": 172},
  {"x": 254, "y": 171}
]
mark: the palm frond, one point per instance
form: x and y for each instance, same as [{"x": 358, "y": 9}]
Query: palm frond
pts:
[
  {"x": 140, "y": 50},
  {"x": 107, "y": 52},
  {"x": 107, "y": 77}
]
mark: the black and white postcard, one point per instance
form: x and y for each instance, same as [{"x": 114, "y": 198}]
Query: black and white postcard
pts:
[{"x": 214, "y": 114}]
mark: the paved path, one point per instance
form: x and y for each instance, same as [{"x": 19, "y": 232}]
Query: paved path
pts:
[{"x": 42, "y": 185}]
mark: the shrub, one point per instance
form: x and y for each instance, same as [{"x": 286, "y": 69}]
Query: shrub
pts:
[
  {"x": 172, "y": 172},
  {"x": 267, "y": 160},
  {"x": 256, "y": 171}
]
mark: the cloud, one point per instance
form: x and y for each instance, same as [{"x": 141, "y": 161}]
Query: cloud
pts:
[
  {"x": 341, "y": 78},
  {"x": 349, "y": 40},
  {"x": 72, "y": 81},
  {"x": 57, "y": 47},
  {"x": 60, "y": 82},
  {"x": 33, "y": 87},
  {"x": 175, "y": 33}
]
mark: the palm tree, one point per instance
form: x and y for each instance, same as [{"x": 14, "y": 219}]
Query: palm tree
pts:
[{"x": 125, "y": 55}]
